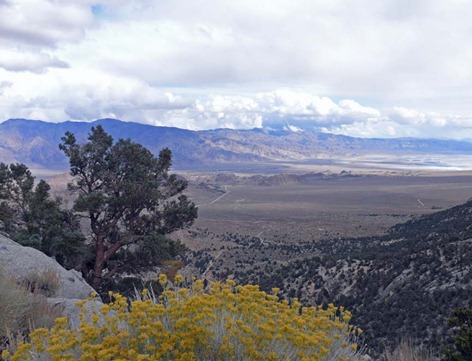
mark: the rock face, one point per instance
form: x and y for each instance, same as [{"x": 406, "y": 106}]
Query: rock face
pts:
[{"x": 20, "y": 262}]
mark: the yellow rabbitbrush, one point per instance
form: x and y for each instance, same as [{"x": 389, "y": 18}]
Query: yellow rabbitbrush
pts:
[{"x": 225, "y": 322}]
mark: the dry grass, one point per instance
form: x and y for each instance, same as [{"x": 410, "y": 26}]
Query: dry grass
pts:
[
  {"x": 406, "y": 351},
  {"x": 44, "y": 282},
  {"x": 21, "y": 311},
  {"x": 15, "y": 306}
]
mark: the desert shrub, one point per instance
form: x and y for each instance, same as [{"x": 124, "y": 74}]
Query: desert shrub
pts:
[{"x": 223, "y": 322}]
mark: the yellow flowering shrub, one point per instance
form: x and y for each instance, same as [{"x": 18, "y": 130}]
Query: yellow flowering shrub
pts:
[{"x": 223, "y": 322}]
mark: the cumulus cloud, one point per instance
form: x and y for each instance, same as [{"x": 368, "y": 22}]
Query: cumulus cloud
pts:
[
  {"x": 81, "y": 98},
  {"x": 298, "y": 111},
  {"x": 59, "y": 95},
  {"x": 414, "y": 117},
  {"x": 279, "y": 109}
]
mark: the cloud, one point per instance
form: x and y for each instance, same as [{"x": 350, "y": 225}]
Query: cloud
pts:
[
  {"x": 31, "y": 30},
  {"x": 43, "y": 22},
  {"x": 392, "y": 50},
  {"x": 85, "y": 98},
  {"x": 407, "y": 122},
  {"x": 4, "y": 85},
  {"x": 59, "y": 95},
  {"x": 28, "y": 61},
  {"x": 413, "y": 117}
]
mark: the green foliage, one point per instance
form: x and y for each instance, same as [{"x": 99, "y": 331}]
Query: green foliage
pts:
[
  {"x": 33, "y": 218},
  {"x": 6, "y": 217},
  {"x": 148, "y": 252},
  {"x": 461, "y": 322},
  {"x": 16, "y": 184},
  {"x": 128, "y": 196}
]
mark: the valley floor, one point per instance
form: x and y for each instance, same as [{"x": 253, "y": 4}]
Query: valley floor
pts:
[{"x": 357, "y": 204}]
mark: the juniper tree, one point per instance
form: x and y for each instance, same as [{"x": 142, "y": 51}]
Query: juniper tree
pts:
[
  {"x": 16, "y": 187},
  {"x": 461, "y": 323},
  {"x": 127, "y": 195},
  {"x": 34, "y": 218}
]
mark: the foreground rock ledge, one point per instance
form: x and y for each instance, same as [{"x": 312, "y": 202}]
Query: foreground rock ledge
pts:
[{"x": 19, "y": 263}]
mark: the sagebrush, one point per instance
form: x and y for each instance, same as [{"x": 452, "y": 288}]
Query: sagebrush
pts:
[{"x": 223, "y": 322}]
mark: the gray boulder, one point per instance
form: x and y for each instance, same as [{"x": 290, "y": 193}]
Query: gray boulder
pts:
[
  {"x": 69, "y": 308},
  {"x": 21, "y": 263}
]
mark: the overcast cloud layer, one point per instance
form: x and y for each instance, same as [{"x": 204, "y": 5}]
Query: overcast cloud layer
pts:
[{"x": 385, "y": 68}]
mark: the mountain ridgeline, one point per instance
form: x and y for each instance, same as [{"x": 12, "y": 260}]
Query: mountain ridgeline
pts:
[{"x": 35, "y": 143}]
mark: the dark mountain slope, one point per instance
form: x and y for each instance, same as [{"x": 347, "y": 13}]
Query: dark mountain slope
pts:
[{"x": 402, "y": 285}]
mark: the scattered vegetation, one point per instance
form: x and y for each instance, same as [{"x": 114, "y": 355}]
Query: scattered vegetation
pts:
[{"x": 400, "y": 285}]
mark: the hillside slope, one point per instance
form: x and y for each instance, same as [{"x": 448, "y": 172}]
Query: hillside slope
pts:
[{"x": 401, "y": 285}]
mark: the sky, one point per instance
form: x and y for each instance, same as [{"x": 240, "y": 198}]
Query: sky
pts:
[{"x": 377, "y": 68}]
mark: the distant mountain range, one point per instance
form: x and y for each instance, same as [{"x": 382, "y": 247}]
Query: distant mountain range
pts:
[{"x": 35, "y": 143}]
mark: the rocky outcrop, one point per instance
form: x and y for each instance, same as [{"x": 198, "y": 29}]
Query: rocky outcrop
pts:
[
  {"x": 24, "y": 263},
  {"x": 21, "y": 262}
]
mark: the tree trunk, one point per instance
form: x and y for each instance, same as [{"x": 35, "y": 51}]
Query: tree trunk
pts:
[{"x": 97, "y": 276}]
